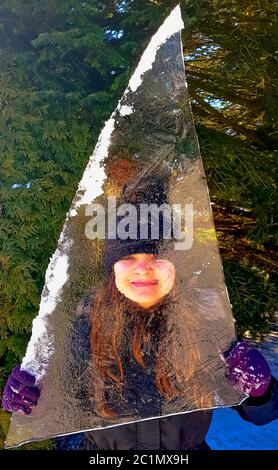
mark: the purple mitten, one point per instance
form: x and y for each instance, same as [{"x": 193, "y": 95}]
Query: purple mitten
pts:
[
  {"x": 19, "y": 393},
  {"x": 247, "y": 369}
]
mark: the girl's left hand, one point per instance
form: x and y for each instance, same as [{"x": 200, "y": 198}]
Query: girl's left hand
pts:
[{"x": 247, "y": 370}]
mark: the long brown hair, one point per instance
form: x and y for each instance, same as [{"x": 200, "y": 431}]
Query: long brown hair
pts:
[{"x": 178, "y": 357}]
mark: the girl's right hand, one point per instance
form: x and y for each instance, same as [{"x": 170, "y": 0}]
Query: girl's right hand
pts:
[{"x": 20, "y": 393}]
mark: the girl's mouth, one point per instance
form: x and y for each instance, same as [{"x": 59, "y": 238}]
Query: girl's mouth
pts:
[{"x": 144, "y": 283}]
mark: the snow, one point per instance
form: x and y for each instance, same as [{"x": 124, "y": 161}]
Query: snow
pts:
[
  {"x": 94, "y": 175},
  {"x": 229, "y": 431},
  {"x": 73, "y": 212},
  {"x": 126, "y": 110},
  {"x": 55, "y": 278},
  {"x": 171, "y": 25}
]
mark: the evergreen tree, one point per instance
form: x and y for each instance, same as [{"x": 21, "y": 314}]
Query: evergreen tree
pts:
[{"x": 63, "y": 67}]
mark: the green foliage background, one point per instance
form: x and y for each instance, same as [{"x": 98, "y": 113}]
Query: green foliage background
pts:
[{"x": 64, "y": 65}]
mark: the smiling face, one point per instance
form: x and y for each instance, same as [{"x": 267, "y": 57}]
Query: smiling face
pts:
[{"x": 144, "y": 278}]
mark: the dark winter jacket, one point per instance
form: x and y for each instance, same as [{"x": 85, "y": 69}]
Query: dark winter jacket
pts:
[{"x": 182, "y": 431}]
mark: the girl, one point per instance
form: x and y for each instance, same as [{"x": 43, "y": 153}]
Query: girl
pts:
[{"x": 139, "y": 339}]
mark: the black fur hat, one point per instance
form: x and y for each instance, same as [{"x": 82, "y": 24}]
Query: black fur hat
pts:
[{"x": 152, "y": 189}]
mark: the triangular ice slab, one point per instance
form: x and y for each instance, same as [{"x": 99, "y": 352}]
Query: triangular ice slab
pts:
[{"x": 150, "y": 132}]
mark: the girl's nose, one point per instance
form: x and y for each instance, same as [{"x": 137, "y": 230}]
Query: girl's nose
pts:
[{"x": 143, "y": 265}]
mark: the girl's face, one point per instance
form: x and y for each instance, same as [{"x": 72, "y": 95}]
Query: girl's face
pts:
[{"x": 144, "y": 278}]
